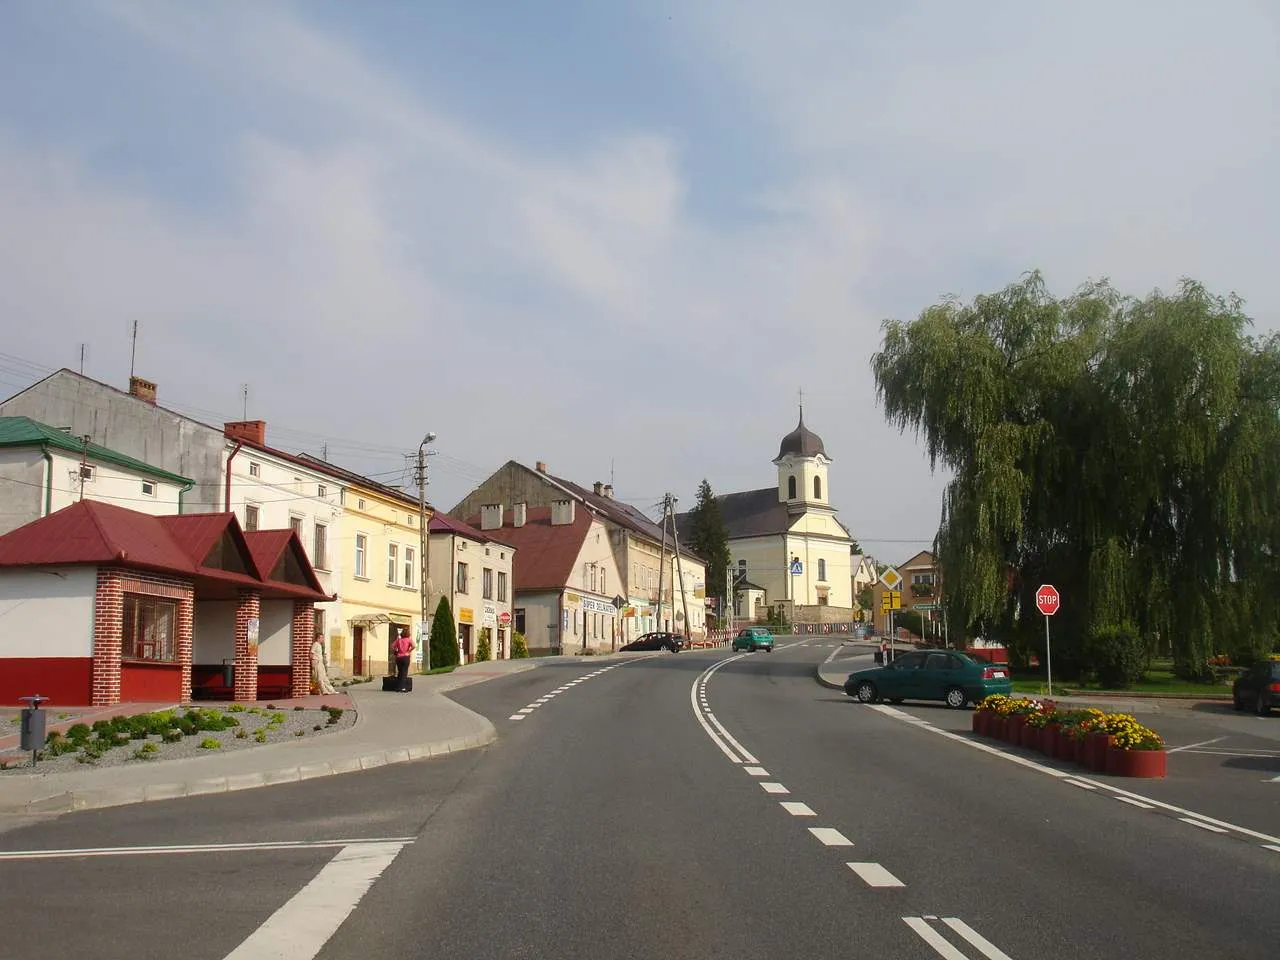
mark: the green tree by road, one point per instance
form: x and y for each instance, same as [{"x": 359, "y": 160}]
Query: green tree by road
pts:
[
  {"x": 709, "y": 539},
  {"x": 1126, "y": 450},
  {"x": 444, "y": 636}
]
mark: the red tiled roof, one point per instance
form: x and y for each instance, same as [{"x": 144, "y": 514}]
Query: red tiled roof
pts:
[
  {"x": 89, "y": 532},
  {"x": 443, "y": 523},
  {"x": 196, "y": 533},
  {"x": 545, "y": 555},
  {"x": 267, "y": 546}
]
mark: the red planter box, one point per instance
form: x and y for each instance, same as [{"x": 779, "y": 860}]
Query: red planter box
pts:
[
  {"x": 1136, "y": 763},
  {"x": 1049, "y": 740},
  {"x": 1066, "y": 748},
  {"x": 1093, "y": 752},
  {"x": 1030, "y": 738}
]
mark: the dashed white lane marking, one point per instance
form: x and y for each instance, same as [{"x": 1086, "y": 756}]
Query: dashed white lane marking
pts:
[
  {"x": 797, "y": 809},
  {"x": 756, "y": 771},
  {"x": 1135, "y": 803},
  {"x": 74, "y": 852},
  {"x": 525, "y": 710},
  {"x": 1080, "y": 783},
  {"x": 874, "y": 875},
  {"x": 301, "y": 928},
  {"x": 831, "y": 837},
  {"x": 516, "y": 716},
  {"x": 1203, "y": 826},
  {"x": 1063, "y": 775},
  {"x": 774, "y": 788},
  {"x": 746, "y": 757},
  {"x": 1202, "y": 743},
  {"x": 1272, "y": 846}
]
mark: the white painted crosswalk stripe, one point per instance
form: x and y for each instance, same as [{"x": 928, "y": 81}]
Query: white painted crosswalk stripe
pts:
[
  {"x": 831, "y": 837},
  {"x": 774, "y": 788},
  {"x": 301, "y": 928},
  {"x": 756, "y": 771},
  {"x": 874, "y": 875},
  {"x": 797, "y": 809}
]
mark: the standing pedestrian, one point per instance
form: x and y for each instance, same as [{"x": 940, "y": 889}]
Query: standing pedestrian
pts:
[{"x": 403, "y": 649}]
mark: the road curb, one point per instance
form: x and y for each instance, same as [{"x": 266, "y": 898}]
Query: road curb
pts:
[{"x": 96, "y": 799}]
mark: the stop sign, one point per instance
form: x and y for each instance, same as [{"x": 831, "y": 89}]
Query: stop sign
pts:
[{"x": 1047, "y": 599}]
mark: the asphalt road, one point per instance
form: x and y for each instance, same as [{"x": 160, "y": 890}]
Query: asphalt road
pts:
[{"x": 691, "y": 805}]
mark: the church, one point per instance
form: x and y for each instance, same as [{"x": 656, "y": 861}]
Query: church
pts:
[{"x": 786, "y": 546}]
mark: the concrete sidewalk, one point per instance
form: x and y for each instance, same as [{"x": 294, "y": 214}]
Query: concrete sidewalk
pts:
[
  {"x": 833, "y": 674},
  {"x": 388, "y": 729}
]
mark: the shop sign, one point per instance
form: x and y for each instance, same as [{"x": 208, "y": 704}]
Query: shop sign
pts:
[{"x": 466, "y": 615}]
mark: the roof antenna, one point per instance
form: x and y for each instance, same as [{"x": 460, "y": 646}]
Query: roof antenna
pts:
[
  {"x": 84, "y": 352},
  {"x": 244, "y": 393},
  {"x": 133, "y": 351}
]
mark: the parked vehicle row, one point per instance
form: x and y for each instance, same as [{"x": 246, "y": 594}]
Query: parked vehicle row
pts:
[
  {"x": 953, "y": 677},
  {"x": 658, "y": 640},
  {"x": 1259, "y": 688}
]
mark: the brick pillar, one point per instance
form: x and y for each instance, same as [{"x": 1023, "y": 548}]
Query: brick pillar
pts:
[
  {"x": 186, "y": 628},
  {"x": 108, "y": 629},
  {"x": 301, "y": 636},
  {"x": 250, "y": 608}
]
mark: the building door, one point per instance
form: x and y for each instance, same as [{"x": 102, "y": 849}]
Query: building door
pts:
[
  {"x": 464, "y": 641},
  {"x": 357, "y": 651},
  {"x": 502, "y": 643}
]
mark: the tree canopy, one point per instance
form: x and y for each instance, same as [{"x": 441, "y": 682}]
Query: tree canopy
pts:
[
  {"x": 1126, "y": 450},
  {"x": 709, "y": 539},
  {"x": 444, "y": 636}
]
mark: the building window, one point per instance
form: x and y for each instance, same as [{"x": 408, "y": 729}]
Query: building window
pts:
[
  {"x": 817, "y": 488},
  {"x": 148, "y": 488},
  {"x": 86, "y": 471},
  {"x": 603, "y": 588},
  {"x": 791, "y": 488},
  {"x": 502, "y": 586},
  {"x": 255, "y": 468},
  {"x": 295, "y": 524},
  {"x": 319, "y": 551},
  {"x": 518, "y": 617},
  {"x": 486, "y": 584},
  {"x": 409, "y": 557},
  {"x": 319, "y": 621},
  {"x": 393, "y": 562},
  {"x": 461, "y": 583},
  {"x": 822, "y": 568},
  {"x": 410, "y": 519},
  {"x": 251, "y": 516},
  {"x": 362, "y": 552},
  {"x": 742, "y": 568},
  {"x": 591, "y": 578},
  {"x": 359, "y": 503},
  {"x": 321, "y": 491},
  {"x": 148, "y": 628}
]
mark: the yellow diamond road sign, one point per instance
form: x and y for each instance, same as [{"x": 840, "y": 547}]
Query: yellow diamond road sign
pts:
[{"x": 891, "y": 578}]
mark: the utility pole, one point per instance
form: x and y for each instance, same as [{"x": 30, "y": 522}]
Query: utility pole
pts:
[
  {"x": 84, "y": 462},
  {"x": 675, "y": 539},
  {"x": 662, "y": 561},
  {"x": 424, "y": 550}
]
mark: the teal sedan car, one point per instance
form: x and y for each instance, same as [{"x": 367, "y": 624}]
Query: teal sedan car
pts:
[
  {"x": 753, "y": 638},
  {"x": 955, "y": 678}
]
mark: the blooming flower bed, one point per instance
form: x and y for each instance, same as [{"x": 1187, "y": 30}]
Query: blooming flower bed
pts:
[{"x": 1114, "y": 743}]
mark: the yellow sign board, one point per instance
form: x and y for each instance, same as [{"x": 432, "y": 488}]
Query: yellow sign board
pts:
[
  {"x": 890, "y": 600},
  {"x": 466, "y": 615},
  {"x": 891, "y": 578}
]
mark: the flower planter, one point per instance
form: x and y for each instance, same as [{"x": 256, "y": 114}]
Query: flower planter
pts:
[
  {"x": 1049, "y": 740},
  {"x": 1066, "y": 747},
  {"x": 1013, "y": 725},
  {"x": 981, "y": 722},
  {"x": 1093, "y": 752},
  {"x": 1030, "y": 737},
  {"x": 1136, "y": 763}
]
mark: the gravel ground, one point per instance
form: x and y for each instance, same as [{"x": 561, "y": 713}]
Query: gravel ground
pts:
[{"x": 296, "y": 724}]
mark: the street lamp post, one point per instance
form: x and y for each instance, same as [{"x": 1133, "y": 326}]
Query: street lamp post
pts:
[{"x": 424, "y": 547}]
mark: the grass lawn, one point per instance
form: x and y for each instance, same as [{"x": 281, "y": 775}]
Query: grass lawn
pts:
[{"x": 1159, "y": 680}]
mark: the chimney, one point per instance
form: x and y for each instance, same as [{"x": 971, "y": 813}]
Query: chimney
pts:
[
  {"x": 144, "y": 390},
  {"x": 563, "y": 512},
  {"x": 608, "y": 490},
  {"x": 251, "y": 431},
  {"x": 542, "y": 467},
  {"x": 491, "y": 516},
  {"x": 519, "y": 514},
  {"x": 598, "y": 488}
]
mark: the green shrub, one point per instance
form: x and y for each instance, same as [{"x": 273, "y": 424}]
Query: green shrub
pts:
[
  {"x": 187, "y": 727},
  {"x": 334, "y": 713},
  {"x": 79, "y": 731},
  {"x": 484, "y": 647},
  {"x": 172, "y": 735},
  {"x": 261, "y": 735},
  {"x": 444, "y": 636},
  {"x": 519, "y": 646},
  {"x": 300, "y": 733},
  {"x": 241, "y": 734},
  {"x": 210, "y": 743},
  {"x": 146, "y": 752},
  {"x": 236, "y": 708},
  {"x": 1117, "y": 654}
]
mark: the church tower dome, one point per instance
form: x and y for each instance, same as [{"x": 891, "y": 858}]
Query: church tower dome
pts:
[
  {"x": 801, "y": 442},
  {"x": 802, "y": 467}
]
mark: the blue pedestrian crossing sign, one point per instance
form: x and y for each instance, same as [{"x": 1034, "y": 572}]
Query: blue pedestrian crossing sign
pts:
[{"x": 797, "y": 568}]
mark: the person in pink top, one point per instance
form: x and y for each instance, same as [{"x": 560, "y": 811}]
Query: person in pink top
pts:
[{"x": 402, "y": 648}]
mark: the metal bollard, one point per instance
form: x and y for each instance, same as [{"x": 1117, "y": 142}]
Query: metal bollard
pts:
[{"x": 33, "y": 726}]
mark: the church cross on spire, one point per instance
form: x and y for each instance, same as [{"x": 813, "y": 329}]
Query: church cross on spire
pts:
[{"x": 801, "y": 392}]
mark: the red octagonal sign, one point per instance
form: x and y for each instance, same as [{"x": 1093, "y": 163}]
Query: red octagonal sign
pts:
[{"x": 1047, "y": 599}]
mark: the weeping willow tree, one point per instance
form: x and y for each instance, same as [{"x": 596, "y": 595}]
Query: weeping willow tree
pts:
[{"x": 1126, "y": 450}]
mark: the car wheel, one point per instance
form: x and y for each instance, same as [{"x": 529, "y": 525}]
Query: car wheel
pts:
[
  {"x": 1261, "y": 706},
  {"x": 956, "y": 698},
  {"x": 867, "y": 692}
]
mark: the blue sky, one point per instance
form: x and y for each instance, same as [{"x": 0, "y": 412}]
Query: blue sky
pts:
[{"x": 607, "y": 236}]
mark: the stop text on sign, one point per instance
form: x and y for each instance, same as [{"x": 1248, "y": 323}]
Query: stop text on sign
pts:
[{"x": 1048, "y": 599}]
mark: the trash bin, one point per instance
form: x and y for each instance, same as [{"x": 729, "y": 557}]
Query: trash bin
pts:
[
  {"x": 33, "y": 725},
  {"x": 229, "y": 673}
]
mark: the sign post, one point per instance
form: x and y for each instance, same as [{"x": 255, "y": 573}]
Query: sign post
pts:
[{"x": 1048, "y": 601}]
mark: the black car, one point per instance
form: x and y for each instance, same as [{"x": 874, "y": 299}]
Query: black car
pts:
[
  {"x": 659, "y": 640},
  {"x": 1259, "y": 688}
]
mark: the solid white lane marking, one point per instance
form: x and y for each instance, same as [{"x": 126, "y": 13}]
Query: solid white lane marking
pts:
[
  {"x": 987, "y": 948},
  {"x": 1135, "y": 803},
  {"x": 756, "y": 771},
  {"x": 1080, "y": 783},
  {"x": 933, "y": 938},
  {"x": 516, "y": 716},
  {"x": 797, "y": 809},
  {"x": 1118, "y": 791},
  {"x": 831, "y": 837},
  {"x": 774, "y": 788},
  {"x": 706, "y": 728},
  {"x": 1201, "y": 825},
  {"x": 301, "y": 928},
  {"x": 1202, "y": 743},
  {"x": 69, "y": 853},
  {"x": 1272, "y": 846},
  {"x": 874, "y": 875},
  {"x": 746, "y": 757}
]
